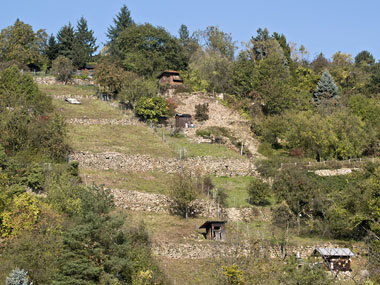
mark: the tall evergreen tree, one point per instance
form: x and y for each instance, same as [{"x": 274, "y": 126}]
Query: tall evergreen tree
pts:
[
  {"x": 122, "y": 21},
  {"x": 84, "y": 44},
  {"x": 364, "y": 56},
  {"x": 66, "y": 39},
  {"x": 184, "y": 36},
  {"x": 326, "y": 88},
  {"x": 52, "y": 48}
]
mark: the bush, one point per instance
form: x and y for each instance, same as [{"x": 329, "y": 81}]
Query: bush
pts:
[
  {"x": 201, "y": 112},
  {"x": 18, "y": 277},
  {"x": 258, "y": 192},
  {"x": 203, "y": 133},
  {"x": 152, "y": 108},
  {"x": 62, "y": 68}
]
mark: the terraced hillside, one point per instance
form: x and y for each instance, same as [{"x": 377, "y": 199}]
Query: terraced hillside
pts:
[{"x": 138, "y": 163}]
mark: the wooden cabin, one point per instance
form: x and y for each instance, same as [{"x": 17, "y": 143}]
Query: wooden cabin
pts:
[
  {"x": 338, "y": 259},
  {"x": 182, "y": 121},
  {"x": 215, "y": 230},
  {"x": 170, "y": 77}
]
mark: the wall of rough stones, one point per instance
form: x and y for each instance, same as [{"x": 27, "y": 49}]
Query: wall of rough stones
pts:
[
  {"x": 143, "y": 163},
  {"x": 158, "y": 203},
  {"x": 49, "y": 80},
  {"x": 214, "y": 249},
  {"x": 121, "y": 122}
]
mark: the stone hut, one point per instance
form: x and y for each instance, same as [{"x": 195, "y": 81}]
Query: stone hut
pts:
[
  {"x": 170, "y": 77},
  {"x": 215, "y": 230},
  {"x": 338, "y": 259}
]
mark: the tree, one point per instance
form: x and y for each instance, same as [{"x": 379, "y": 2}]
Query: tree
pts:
[
  {"x": 52, "y": 48},
  {"x": 21, "y": 44},
  {"x": 148, "y": 50},
  {"x": 184, "y": 36},
  {"x": 326, "y": 88},
  {"x": 62, "y": 68},
  {"x": 136, "y": 87},
  {"x": 66, "y": 40},
  {"x": 110, "y": 77},
  {"x": 319, "y": 63},
  {"x": 84, "y": 45},
  {"x": 152, "y": 108},
  {"x": 258, "y": 192},
  {"x": 201, "y": 112},
  {"x": 364, "y": 57},
  {"x": 18, "y": 277},
  {"x": 122, "y": 21},
  {"x": 183, "y": 191}
]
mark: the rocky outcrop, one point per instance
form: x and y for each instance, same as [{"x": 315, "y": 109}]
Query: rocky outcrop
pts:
[
  {"x": 335, "y": 172},
  {"x": 143, "y": 163}
]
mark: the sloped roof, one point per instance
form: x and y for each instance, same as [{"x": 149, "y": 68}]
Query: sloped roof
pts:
[
  {"x": 208, "y": 223},
  {"x": 326, "y": 251},
  {"x": 173, "y": 72}
]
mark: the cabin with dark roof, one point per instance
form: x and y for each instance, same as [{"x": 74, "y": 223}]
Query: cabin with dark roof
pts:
[
  {"x": 338, "y": 259},
  {"x": 215, "y": 230},
  {"x": 182, "y": 121},
  {"x": 170, "y": 77}
]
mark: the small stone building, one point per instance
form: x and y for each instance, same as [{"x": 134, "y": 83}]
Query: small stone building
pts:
[
  {"x": 338, "y": 259},
  {"x": 170, "y": 77},
  {"x": 215, "y": 230},
  {"x": 182, "y": 121}
]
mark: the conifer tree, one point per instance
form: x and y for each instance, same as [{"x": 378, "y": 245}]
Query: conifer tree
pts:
[
  {"x": 84, "y": 44},
  {"x": 326, "y": 88},
  {"x": 18, "y": 277},
  {"x": 122, "y": 21},
  {"x": 52, "y": 48},
  {"x": 66, "y": 39}
]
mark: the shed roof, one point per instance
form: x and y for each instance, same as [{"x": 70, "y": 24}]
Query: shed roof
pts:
[
  {"x": 208, "y": 223},
  {"x": 326, "y": 251},
  {"x": 182, "y": 115},
  {"x": 172, "y": 72}
]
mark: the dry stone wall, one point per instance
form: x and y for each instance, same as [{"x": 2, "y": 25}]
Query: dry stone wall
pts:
[
  {"x": 120, "y": 122},
  {"x": 215, "y": 249},
  {"x": 158, "y": 203},
  {"x": 49, "y": 80},
  {"x": 143, "y": 163}
]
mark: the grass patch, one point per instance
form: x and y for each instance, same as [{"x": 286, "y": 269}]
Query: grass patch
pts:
[
  {"x": 90, "y": 108},
  {"x": 124, "y": 139},
  {"x": 203, "y": 149},
  {"x": 67, "y": 90},
  {"x": 151, "y": 182},
  {"x": 236, "y": 189}
]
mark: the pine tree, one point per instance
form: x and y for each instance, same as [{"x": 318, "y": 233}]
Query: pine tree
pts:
[
  {"x": 52, "y": 48},
  {"x": 66, "y": 39},
  {"x": 184, "y": 36},
  {"x": 122, "y": 21},
  {"x": 84, "y": 44},
  {"x": 18, "y": 277},
  {"x": 326, "y": 88}
]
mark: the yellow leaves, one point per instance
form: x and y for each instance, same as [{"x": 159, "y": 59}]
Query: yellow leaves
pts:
[
  {"x": 22, "y": 215},
  {"x": 233, "y": 275}
]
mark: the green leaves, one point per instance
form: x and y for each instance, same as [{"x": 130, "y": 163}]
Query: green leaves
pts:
[{"x": 152, "y": 108}]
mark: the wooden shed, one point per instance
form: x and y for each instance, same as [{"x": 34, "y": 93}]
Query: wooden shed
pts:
[
  {"x": 215, "y": 230},
  {"x": 338, "y": 259},
  {"x": 170, "y": 77},
  {"x": 182, "y": 120}
]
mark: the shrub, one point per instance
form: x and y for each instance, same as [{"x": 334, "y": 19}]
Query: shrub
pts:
[
  {"x": 201, "y": 112},
  {"x": 18, "y": 277},
  {"x": 62, "y": 68},
  {"x": 203, "y": 133},
  {"x": 152, "y": 108},
  {"x": 258, "y": 192}
]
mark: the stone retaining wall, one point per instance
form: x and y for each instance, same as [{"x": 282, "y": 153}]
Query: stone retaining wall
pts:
[
  {"x": 49, "y": 80},
  {"x": 87, "y": 122},
  {"x": 158, "y": 203},
  {"x": 143, "y": 163},
  {"x": 215, "y": 249}
]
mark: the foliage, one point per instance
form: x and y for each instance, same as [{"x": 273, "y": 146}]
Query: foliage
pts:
[
  {"x": 201, "y": 112},
  {"x": 152, "y": 108},
  {"x": 110, "y": 77},
  {"x": 62, "y": 68},
  {"x": 259, "y": 192},
  {"x": 364, "y": 57},
  {"x": 21, "y": 44},
  {"x": 183, "y": 191},
  {"x": 326, "y": 88},
  {"x": 18, "y": 277},
  {"x": 233, "y": 275},
  {"x": 203, "y": 133},
  {"x": 282, "y": 216},
  {"x": 66, "y": 41},
  {"x": 148, "y": 50},
  {"x": 23, "y": 215},
  {"x": 135, "y": 88},
  {"x": 122, "y": 21}
]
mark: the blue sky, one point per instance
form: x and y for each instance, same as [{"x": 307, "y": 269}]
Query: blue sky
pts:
[{"x": 321, "y": 26}]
